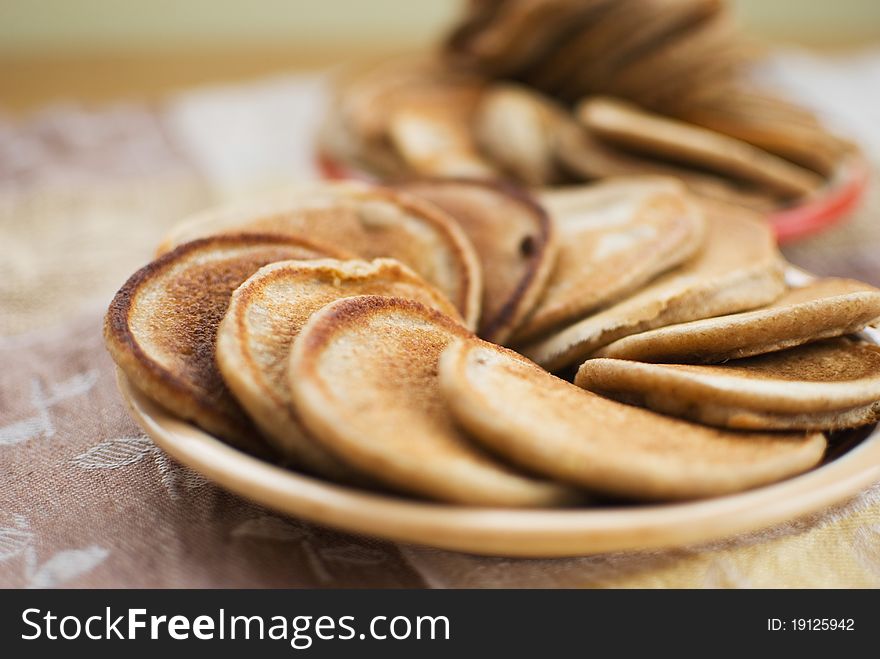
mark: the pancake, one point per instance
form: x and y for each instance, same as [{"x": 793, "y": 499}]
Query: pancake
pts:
[
  {"x": 433, "y": 137},
  {"x": 613, "y": 238},
  {"x": 368, "y": 96},
  {"x": 672, "y": 59},
  {"x": 519, "y": 32},
  {"x": 514, "y": 240},
  {"x": 586, "y": 157},
  {"x": 161, "y": 325},
  {"x": 584, "y": 45},
  {"x": 515, "y": 127},
  {"x": 357, "y": 123},
  {"x": 827, "y": 385},
  {"x": 739, "y": 268},
  {"x": 265, "y": 315},
  {"x": 550, "y": 426},
  {"x": 821, "y": 309},
  {"x": 368, "y": 221},
  {"x": 769, "y": 123},
  {"x": 631, "y": 127},
  {"x": 363, "y": 375},
  {"x": 632, "y": 36}
]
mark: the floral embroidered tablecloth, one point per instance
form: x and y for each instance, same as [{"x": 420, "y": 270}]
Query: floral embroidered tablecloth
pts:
[{"x": 87, "y": 500}]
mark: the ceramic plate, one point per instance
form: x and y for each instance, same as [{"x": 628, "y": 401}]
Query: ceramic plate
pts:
[{"x": 852, "y": 465}]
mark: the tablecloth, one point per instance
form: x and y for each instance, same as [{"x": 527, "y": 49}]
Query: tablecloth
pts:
[{"x": 87, "y": 500}]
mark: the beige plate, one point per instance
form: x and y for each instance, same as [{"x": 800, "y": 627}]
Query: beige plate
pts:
[{"x": 508, "y": 532}]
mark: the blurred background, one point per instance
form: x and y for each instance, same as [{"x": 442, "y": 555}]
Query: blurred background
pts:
[{"x": 101, "y": 49}]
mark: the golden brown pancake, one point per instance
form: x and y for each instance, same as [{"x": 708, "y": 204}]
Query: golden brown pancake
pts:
[
  {"x": 739, "y": 268},
  {"x": 627, "y": 125},
  {"x": 773, "y": 125},
  {"x": 519, "y": 32},
  {"x": 631, "y": 36},
  {"x": 406, "y": 116},
  {"x": 161, "y": 325},
  {"x": 265, "y": 315},
  {"x": 363, "y": 375},
  {"x": 821, "y": 309},
  {"x": 433, "y": 136},
  {"x": 582, "y": 46},
  {"x": 514, "y": 239},
  {"x": 672, "y": 59},
  {"x": 515, "y": 127},
  {"x": 585, "y": 156},
  {"x": 827, "y": 385},
  {"x": 614, "y": 237},
  {"x": 368, "y": 221},
  {"x": 550, "y": 426}
]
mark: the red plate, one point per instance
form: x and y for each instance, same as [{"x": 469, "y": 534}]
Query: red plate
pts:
[{"x": 832, "y": 205}]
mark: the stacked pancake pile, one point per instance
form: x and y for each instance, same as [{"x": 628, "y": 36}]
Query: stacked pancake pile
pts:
[
  {"x": 355, "y": 332},
  {"x": 554, "y": 92}
]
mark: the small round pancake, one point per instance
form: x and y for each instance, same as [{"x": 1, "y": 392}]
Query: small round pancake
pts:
[
  {"x": 586, "y": 157},
  {"x": 631, "y": 127},
  {"x": 550, "y": 426},
  {"x": 827, "y": 385},
  {"x": 516, "y": 126},
  {"x": 161, "y": 325},
  {"x": 366, "y": 220},
  {"x": 433, "y": 136},
  {"x": 363, "y": 375},
  {"x": 672, "y": 59},
  {"x": 613, "y": 238},
  {"x": 822, "y": 309},
  {"x": 519, "y": 32},
  {"x": 514, "y": 239},
  {"x": 738, "y": 268},
  {"x": 265, "y": 315}
]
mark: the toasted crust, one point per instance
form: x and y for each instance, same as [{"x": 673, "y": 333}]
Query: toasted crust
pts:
[
  {"x": 631, "y": 127},
  {"x": 614, "y": 237},
  {"x": 827, "y": 385},
  {"x": 548, "y": 425},
  {"x": 515, "y": 127},
  {"x": 585, "y": 156},
  {"x": 160, "y": 326},
  {"x": 265, "y": 315},
  {"x": 822, "y": 309},
  {"x": 515, "y": 241},
  {"x": 739, "y": 268},
  {"x": 363, "y": 374},
  {"x": 366, "y": 220}
]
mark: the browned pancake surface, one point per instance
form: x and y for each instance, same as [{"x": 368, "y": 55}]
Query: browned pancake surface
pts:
[
  {"x": 822, "y": 309},
  {"x": 161, "y": 325},
  {"x": 738, "y": 268},
  {"x": 363, "y": 374},
  {"x": 368, "y": 221},
  {"x": 550, "y": 426},
  {"x": 514, "y": 239},
  {"x": 265, "y": 316},
  {"x": 827, "y": 385},
  {"x": 613, "y": 238}
]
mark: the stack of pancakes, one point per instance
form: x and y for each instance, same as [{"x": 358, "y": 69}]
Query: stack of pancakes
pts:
[
  {"x": 355, "y": 332},
  {"x": 554, "y": 92}
]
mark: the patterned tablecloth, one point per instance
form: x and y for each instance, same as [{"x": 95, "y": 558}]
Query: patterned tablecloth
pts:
[{"x": 87, "y": 500}]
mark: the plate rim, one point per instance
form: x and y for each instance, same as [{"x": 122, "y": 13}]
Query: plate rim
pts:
[{"x": 518, "y": 533}]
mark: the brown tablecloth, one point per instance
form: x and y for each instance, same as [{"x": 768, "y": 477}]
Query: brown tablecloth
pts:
[{"x": 87, "y": 500}]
